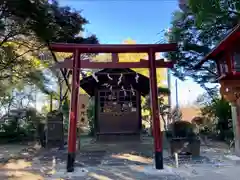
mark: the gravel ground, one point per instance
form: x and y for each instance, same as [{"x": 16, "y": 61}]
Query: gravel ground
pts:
[{"x": 127, "y": 161}]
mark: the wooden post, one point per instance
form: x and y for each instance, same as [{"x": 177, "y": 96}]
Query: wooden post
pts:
[
  {"x": 78, "y": 124},
  {"x": 234, "y": 124},
  {"x": 115, "y": 57},
  {"x": 51, "y": 102},
  {"x": 237, "y": 129},
  {"x": 73, "y": 115},
  {"x": 155, "y": 112}
]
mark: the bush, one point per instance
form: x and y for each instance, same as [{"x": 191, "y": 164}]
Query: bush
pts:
[
  {"x": 218, "y": 117},
  {"x": 182, "y": 129},
  {"x": 19, "y": 124}
]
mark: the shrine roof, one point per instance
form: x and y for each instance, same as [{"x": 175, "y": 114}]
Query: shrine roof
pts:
[
  {"x": 224, "y": 46},
  {"x": 129, "y": 77}
]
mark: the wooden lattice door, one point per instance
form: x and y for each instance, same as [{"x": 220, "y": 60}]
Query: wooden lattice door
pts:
[{"x": 118, "y": 111}]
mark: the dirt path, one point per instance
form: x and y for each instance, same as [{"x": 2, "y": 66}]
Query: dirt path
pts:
[
  {"x": 14, "y": 162},
  {"x": 111, "y": 161},
  {"x": 10, "y": 150}
]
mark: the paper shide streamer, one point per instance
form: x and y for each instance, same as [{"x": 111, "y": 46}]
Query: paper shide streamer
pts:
[
  {"x": 120, "y": 79},
  {"x": 136, "y": 77},
  {"x": 95, "y": 77},
  {"x": 133, "y": 92},
  {"x": 124, "y": 91},
  {"x": 109, "y": 77},
  {"x": 106, "y": 85}
]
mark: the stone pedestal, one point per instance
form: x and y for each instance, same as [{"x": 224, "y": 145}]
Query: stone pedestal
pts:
[{"x": 55, "y": 130}]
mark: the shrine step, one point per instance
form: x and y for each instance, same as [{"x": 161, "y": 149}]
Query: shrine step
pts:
[{"x": 118, "y": 137}]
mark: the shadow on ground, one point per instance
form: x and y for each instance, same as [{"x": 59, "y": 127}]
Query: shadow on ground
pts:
[{"x": 95, "y": 160}]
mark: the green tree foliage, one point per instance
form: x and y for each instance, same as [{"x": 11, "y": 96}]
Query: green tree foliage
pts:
[
  {"x": 65, "y": 111},
  {"x": 217, "y": 114},
  {"x": 26, "y": 29},
  {"x": 19, "y": 124},
  {"x": 17, "y": 99},
  {"x": 198, "y": 28},
  {"x": 163, "y": 108},
  {"x": 48, "y": 20},
  {"x": 135, "y": 57}
]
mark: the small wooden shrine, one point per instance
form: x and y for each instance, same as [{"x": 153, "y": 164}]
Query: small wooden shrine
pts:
[
  {"x": 227, "y": 57},
  {"x": 117, "y": 94}
]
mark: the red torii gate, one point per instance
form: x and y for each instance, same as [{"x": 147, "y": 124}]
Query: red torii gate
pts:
[{"x": 76, "y": 64}]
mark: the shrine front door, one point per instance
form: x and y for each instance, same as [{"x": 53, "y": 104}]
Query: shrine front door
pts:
[{"x": 118, "y": 112}]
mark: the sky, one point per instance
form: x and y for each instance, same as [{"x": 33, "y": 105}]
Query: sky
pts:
[{"x": 144, "y": 21}]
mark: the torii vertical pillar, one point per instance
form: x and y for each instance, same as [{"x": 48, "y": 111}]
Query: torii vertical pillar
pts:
[
  {"x": 155, "y": 112},
  {"x": 73, "y": 115}
]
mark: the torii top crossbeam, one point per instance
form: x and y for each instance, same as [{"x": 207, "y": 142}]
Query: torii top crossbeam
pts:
[{"x": 113, "y": 48}]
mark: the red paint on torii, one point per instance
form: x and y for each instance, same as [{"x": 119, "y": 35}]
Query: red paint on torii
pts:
[
  {"x": 76, "y": 64},
  {"x": 88, "y": 64},
  {"x": 114, "y": 49}
]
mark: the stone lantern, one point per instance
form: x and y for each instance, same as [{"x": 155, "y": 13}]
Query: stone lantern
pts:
[
  {"x": 229, "y": 76},
  {"x": 227, "y": 57}
]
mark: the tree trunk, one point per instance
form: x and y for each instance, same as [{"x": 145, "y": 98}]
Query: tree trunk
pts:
[
  {"x": 60, "y": 98},
  {"x": 51, "y": 103}
]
